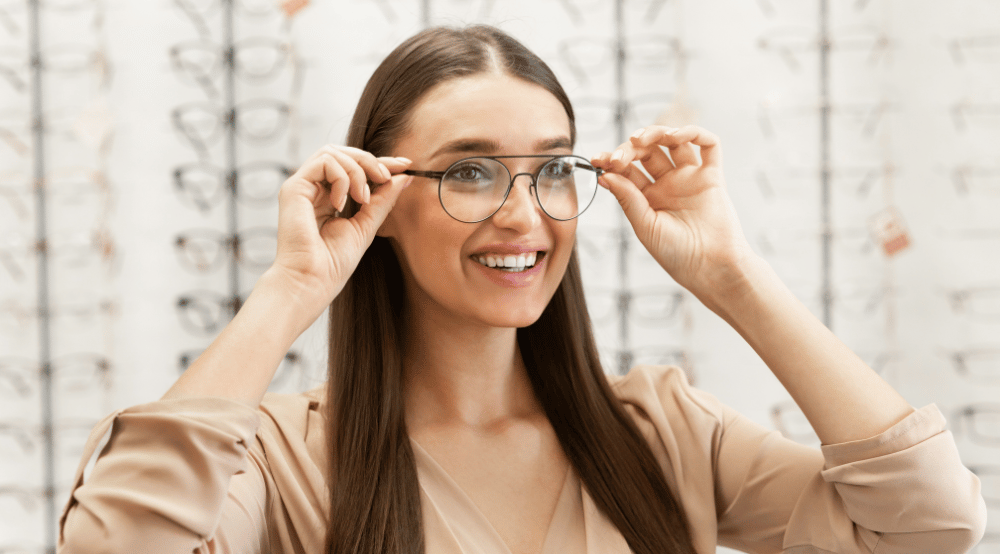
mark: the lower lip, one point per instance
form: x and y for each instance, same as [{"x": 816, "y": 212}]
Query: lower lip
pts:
[{"x": 511, "y": 279}]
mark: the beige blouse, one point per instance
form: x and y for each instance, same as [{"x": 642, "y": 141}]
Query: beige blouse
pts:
[{"x": 210, "y": 475}]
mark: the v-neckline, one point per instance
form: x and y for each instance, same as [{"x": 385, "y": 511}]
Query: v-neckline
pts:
[{"x": 431, "y": 473}]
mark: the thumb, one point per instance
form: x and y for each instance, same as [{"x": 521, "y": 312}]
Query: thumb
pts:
[
  {"x": 632, "y": 200},
  {"x": 371, "y": 215}
]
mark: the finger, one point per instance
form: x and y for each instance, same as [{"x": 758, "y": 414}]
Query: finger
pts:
[
  {"x": 631, "y": 199},
  {"x": 357, "y": 175},
  {"x": 619, "y": 160},
  {"x": 338, "y": 180},
  {"x": 654, "y": 159},
  {"x": 395, "y": 164},
  {"x": 691, "y": 135},
  {"x": 631, "y": 172},
  {"x": 371, "y": 215},
  {"x": 708, "y": 142},
  {"x": 681, "y": 152}
]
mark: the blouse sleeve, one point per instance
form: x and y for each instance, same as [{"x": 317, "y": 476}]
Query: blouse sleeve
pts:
[
  {"x": 902, "y": 491},
  {"x": 175, "y": 476}
]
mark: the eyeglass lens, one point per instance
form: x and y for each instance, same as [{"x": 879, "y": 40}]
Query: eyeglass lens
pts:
[{"x": 473, "y": 189}]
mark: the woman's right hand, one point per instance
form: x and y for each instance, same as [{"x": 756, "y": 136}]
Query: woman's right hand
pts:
[{"x": 317, "y": 250}]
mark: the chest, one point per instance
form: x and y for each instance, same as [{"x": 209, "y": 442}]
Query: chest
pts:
[{"x": 515, "y": 480}]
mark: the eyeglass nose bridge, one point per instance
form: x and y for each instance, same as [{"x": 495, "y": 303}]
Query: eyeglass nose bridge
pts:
[{"x": 532, "y": 189}]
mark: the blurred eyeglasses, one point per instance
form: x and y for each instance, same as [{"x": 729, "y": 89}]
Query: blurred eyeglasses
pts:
[
  {"x": 857, "y": 120},
  {"x": 71, "y": 373},
  {"x": 66, "y": 251},
  {"x": 979, "y": 422},
  {"x": 254, "y": 59},
  {"x": 257, "y": 120},
  {"x": 15, "y": 65},
  {"x": 68, "y": 191},
  {"x": 985, "y": 49},
  {"x": 790, "y": 44},
  {"x": 207, "y": 312},
  {"x": 473, "y": 189},
  {"x": 599, "y": 118},
  {"x": 586, "y": 56},
  {"x": 967, "y": 114},
  {"x": 199, "y": 11},
  {"x": 17, "y": 128},
  {"x": 202, "y": 185},
  {"x": 970, "y": 178},
  {"x": 857, "y": 181},
  {"x": 979, "y": 363},
  {"x": 82, "y": 309},
  {"x": 204, "y": 250},
  {"x": 293, "y": 364},
  {"x": 980, "y": 302}
]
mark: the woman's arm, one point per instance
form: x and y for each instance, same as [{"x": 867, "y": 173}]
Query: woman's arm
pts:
[
  {"x": 843, "y": 399},
  {"x": 317, "y": 253},
  {"x": 685, "y": 218}
]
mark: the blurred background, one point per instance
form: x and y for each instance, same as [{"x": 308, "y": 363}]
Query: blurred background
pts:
[{"x": 142, "y": 145}]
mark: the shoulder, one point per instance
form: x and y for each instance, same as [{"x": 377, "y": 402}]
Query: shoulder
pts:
[
  {"x": 293, "y": 424},
  {"x": 659, "y": 388},
  {"x": 667, "y": 409}
]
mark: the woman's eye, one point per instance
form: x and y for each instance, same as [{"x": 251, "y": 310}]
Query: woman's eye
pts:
[
  {"x": 559, "y": 169},
  {"x": 469, "y": 172}
]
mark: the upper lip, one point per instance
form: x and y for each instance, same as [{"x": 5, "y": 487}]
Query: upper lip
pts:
[{"x": 509, "y": 248}]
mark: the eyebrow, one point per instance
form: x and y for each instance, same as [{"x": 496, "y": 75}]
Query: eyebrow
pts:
[{"x": 487, "y": 146}]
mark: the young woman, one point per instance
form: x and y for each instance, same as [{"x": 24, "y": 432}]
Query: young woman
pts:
[{"x": 466, "y": 409}]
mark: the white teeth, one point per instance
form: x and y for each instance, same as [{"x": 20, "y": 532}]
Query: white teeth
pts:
[{"x": 512, "y": 262}]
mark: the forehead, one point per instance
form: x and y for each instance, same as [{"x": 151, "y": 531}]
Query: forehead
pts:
[{"x": 514, "y": 113}]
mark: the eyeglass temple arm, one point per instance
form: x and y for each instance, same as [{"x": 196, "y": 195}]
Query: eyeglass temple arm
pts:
[{"x": 416, "y": 173}]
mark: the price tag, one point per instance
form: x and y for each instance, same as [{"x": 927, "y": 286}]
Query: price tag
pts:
[
  {"x": 890, "y": 232},
  {"x": 291, "y": 7}
]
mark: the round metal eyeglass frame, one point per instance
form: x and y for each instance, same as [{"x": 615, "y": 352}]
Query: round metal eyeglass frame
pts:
[{"x": 580, "y": 161}]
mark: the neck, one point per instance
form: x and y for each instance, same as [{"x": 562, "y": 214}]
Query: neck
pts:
[{"x": 457, "y": 374}]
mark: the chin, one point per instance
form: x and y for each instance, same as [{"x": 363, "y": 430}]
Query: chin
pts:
[{"x": 518, "y": 318}]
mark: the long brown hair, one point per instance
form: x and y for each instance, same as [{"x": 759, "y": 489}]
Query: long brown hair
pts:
[{"x": 374, "y": 493}]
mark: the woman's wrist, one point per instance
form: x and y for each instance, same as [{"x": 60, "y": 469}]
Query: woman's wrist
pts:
[{"x": 301, "y": 302}]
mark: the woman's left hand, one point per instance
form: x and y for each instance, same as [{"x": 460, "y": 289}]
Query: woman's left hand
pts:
[{"x": 684, "y": 215}]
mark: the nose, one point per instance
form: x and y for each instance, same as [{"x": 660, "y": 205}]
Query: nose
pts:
[{"x": 519, "y": 211}]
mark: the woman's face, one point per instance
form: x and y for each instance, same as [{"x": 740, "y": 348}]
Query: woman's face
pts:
[{"x": 481, "y": 115}]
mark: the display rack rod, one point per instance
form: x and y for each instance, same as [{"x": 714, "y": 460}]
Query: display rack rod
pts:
[
  {"x": 826, "y": 232},
  {"x": 229, "y": 79},
  {"x": 43, "y": 297}
]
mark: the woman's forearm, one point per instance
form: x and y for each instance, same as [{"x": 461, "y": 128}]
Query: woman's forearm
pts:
[
  {"x": 843, "y": 398},
  {"x": 241, "y": 362}
]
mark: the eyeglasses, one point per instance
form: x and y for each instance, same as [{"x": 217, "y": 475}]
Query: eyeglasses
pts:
[
  {"x": 259, "y": 120},
  {"x": 201, "y": 185},
  {"x": 981, "y": 422},
  {"x": 205, "y": 312},
  {"x": 255, "y": 59},
  {"x": 293, "y": 364},
  {"x": 203, "y": 250},
  {"x": 473, "y": 189}
]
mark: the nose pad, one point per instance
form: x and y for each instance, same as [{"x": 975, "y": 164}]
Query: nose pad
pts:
[{"x": 514, "y": 207}]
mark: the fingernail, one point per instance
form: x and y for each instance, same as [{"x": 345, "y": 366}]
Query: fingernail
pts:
[
  {"x": 343, "y": 204},
  {"x": 670, "y": 130},
  {"x": 385, "y": 172},
  {"x": 368, "y": 194},
  {"x": 404, "y": 160},
  {"x": 639, "y": 133},
  {"x": 617, "y": 155},
  {"x": 407, "y": 182}
]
